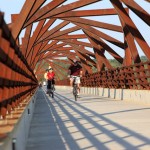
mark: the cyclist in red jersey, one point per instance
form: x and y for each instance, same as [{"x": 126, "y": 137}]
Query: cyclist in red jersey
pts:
[{"x": 49, "y": 76}]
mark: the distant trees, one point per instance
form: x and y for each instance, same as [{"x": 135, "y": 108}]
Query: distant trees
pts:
[{"x": 113, "y": 62}]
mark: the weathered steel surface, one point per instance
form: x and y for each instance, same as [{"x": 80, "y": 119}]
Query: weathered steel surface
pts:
[{"x": 17, "y": 79}]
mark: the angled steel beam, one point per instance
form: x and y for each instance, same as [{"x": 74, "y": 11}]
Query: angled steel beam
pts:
[
  {"x": 53, "y": 31},
  {"x": 138, "y": 10},
  {"x": 87, "y": 13},
  {"x": 17, "y": 26},
  {"x": 131, "y": 27},
  {"x": 43, "y": 11},
  {"x": 99, "y": 54},
  {"x": 68, "y": 7},
  {"x": 129, "y": 40},
  {"x": 95, "y": 23},
  {"x": 101, "y": 35},
  {"x": 104, "y": 45}
]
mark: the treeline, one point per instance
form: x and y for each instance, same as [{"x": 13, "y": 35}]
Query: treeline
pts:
[{"x": 113, "y": 62}]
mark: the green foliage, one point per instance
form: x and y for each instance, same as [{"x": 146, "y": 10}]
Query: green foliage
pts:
[
  {"x": 114, "y": 63},
  {"x": 144, "y": 58}
]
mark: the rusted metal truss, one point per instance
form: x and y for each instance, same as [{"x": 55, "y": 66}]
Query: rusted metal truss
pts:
[
  {"x": 61, "y": 29},
  {"x": 49, "y": 41},
  {"x": 17, "y": 79}
]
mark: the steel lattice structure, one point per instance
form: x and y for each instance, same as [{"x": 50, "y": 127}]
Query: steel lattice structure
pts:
[
  {"x": 63, "y": 28},
  {"x": 47, "y": 43}
]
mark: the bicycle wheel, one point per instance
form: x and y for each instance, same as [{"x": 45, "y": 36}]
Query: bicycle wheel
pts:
[
  {"x": 75, "y": 92},
  {"x": 52, "y": 93}
]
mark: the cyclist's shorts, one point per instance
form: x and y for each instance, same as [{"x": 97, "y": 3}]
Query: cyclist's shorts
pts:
[{"x": 77, "y": 80}]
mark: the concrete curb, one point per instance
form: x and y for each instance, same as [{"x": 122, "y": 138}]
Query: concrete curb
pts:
[
  {"x": 137, "y": 96},
  {"x": 18, "y": 137}
]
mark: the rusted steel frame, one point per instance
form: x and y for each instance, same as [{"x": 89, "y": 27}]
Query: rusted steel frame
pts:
[
  {"x": 44, "y": 10},
  {"x": 33, "y": 50},
  {"x": 79, "y": 43},
  {"x": 127, "y": 58},
  {"x": 59, "y": 72},
  {"x": 50, "y": 54},
  {"x": 104, "y": 45},
  {"x": 84, "y": 59},
  {"x": 32, "y": 57},
  {"x": 60, "y": 33},
  {"x": 45, "y": 28},
  {"x": 71, "y": 58},
  {"x": 101, "y": 35},
  {"x": 34, "y": 53},
  {"x": 83, "y": 52},
  {"x": 63, "y": 82},
  {"x": 57, "y": 75},
  {"x": 75, "y": 42},
  {"x": 25, "y": 40},
  {"x": 140, "y": 80},
  {"x": 81, "y": 49},
  {"x": 58, "y": 67},
  {"x": 34, "y": 37},
  {"x": 53, "y": 31},
  {"x": 47, "y": 46},
  {"x": 45, "y": 56},
  {"x": 40, "y": 72},
  {"x": 131, "y": 27},
  {"x": 17, "y": 26},
  {"x": 15, "y": 71},
  {"x": 54, "y": 47},
  {"x": 39, "y": 67},
  {"x": 12, "y": 60},
  {"x": 143, "y": 75},
  {"x": 37, "y": 59},
  {"x": 84, "y": 62},
  {"x": 35, "y": 8},
  {"x": 138, "y": 11},
  {"x": 62, "y": 61},
  {"x": 95, "y": 24},
  {"x": 8, "y": 93},
  {"x": 99, "y": 54},
  {"x": 68, "y": 7},
  {"x": 86, "y": 13},
  {"x": 63, "y": 49},
  {"x": 130, "y": 78},
  {"x": 131, "y": 44},
  {"x": 140, "y": 74},
  {"x": 78, "y": 36}
]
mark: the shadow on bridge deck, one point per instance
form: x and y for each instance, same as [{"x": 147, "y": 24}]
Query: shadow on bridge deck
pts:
[{"x": 92, "y": 123}]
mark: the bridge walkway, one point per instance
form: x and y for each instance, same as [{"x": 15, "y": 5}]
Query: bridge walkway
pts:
[{"x": 91, "y": 123}]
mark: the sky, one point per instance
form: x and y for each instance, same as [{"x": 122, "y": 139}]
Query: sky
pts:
[{"x": 14, "y": 6}]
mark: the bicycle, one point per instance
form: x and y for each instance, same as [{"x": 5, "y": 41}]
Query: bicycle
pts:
[
  {"x": 50, "y": 89},
  {"x": 75, "y": 88}
]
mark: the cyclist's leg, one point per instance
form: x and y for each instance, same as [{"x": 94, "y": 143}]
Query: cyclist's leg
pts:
[
  {"x": 53, "y": 84},
  {"x": 78, "y": 84},
  {"x": 48, "y": 86},
  {"x": 71, "y": 82}
]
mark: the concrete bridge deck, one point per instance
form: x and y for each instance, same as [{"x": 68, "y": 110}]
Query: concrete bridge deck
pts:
[{"x": 91, "y": 123}]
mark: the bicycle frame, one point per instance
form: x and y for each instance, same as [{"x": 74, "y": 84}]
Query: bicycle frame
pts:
[
  {"x": 75, "y": 88},
  {"x": 51, "y": 90}
]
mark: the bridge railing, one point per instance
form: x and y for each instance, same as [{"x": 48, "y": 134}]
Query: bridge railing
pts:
[
  {"x": 17, "y": 80},
  {"x": 136, "y": 76}
]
